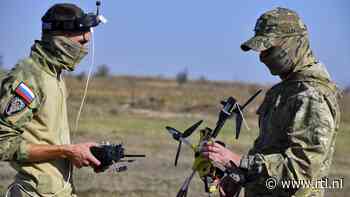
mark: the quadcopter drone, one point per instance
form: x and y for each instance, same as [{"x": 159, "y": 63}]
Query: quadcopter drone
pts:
[{"x": 207, "y": 170}]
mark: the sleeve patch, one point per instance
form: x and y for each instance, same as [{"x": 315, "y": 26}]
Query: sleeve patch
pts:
[
  {"x": 23, "y": 91},
  {"x": 15, "y": 105}
]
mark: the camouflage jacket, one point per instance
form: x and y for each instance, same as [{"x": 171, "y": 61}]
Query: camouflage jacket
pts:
[
  {"x": 298, "y": 122},
  {"x": 33, "y": 111}
]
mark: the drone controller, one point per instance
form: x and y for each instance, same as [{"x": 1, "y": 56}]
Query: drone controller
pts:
[{"x": 109, "y": 154}]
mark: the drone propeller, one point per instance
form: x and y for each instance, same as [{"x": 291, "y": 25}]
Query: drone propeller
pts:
[
  {"x": 178, "y": 152},
  {"x": 181, "y": 137},
  {"x": 190, "y": 130}
]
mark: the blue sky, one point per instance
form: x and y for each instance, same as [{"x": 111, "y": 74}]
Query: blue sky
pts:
[{"x": 162, "y": 37}]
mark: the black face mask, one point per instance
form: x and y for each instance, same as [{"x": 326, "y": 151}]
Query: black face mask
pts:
[{"x": 277, "y": 60}]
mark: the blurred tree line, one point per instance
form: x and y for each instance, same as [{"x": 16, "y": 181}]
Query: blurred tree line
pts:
[
  {"x": 102, "y": 71},
  {"x": 181, "y": 77}
]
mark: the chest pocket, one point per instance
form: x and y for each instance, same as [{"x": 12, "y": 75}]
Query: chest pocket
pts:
[
  {"x": 273, "y": 121},
  {"x": 269, "y": 113}
]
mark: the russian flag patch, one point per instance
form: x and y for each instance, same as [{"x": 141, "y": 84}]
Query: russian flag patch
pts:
[{"x": 25, "y": 93}]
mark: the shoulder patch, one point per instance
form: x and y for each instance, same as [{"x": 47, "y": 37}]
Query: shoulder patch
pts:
[
  {"x": 15, "y": 105},
  {"x": 25, "y": 93}
]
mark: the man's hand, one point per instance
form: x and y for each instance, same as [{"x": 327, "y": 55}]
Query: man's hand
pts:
[
  {"x": 219, "y": 154},
  {"x": 80, "y": 155}
]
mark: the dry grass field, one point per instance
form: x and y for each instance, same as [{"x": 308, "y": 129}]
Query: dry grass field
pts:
[{"x": 135, "y": 111}]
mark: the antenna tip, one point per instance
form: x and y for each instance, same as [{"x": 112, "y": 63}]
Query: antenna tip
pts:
[{"x": 98, "y": 3}]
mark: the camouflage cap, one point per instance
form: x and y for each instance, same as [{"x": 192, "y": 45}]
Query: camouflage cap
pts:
[{"x": 273, "y": 25}]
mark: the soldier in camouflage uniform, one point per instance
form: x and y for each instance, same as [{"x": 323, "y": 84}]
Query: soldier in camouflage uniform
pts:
[
  {"x": 298, "y": 118},
  {"x": 34, "y": 131}
]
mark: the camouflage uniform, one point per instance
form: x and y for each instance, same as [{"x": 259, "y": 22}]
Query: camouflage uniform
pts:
[
  {"x": 33, "y": 109},
  {"x": 43, "y": 121},
  {"x": 298, "y": 118}
]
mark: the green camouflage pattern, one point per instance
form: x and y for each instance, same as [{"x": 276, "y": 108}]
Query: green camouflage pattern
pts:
[
  {"x": 298, "y": 122},
  {"x": 59, "y": 52},
  {"x": 44, "y": 121},
  {"x": 272, "y": 26},
  {"x": 299, "y": 116},
  {"x": 292, "y": 54},
  {"x": 12, "y": 145},
  {"x": 299, "y": 54}
]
